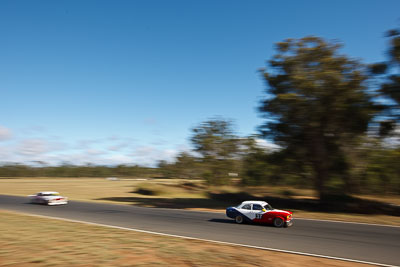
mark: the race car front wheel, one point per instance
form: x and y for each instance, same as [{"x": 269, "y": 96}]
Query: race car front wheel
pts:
[
  {"x": 239, "y": 219},
  {"x": 278, "y": 222}
]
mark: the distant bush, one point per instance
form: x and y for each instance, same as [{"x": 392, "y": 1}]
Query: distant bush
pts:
[
  {"x": 287, "y": 192},
  {"x": 149, "y": 189}
]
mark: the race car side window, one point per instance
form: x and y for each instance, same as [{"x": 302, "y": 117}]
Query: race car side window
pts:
[
  {"x": 257, "y": 207},
  {"x": 268, "y": 207},
  {"x": 247, "y": 207}
]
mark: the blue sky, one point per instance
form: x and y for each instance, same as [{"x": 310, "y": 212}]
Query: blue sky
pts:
[{"x": 111, "y": 82}]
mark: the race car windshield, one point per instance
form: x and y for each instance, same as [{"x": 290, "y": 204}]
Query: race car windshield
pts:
[{"x": 268, "y": 207}]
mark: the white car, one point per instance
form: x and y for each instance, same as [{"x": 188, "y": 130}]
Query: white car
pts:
[{"x": 48, "y": 198}]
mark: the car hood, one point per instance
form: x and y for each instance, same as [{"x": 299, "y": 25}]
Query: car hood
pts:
[{"x": 282, "y": 212}]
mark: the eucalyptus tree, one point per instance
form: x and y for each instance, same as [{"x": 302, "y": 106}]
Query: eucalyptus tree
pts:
[
  {"x": 390, "y": 86},
  {"x": 218, "y": 147},
  {"x": 317, "y": 103}
]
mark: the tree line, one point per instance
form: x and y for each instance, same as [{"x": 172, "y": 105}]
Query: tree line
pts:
[{"x": 68, "y": 170}]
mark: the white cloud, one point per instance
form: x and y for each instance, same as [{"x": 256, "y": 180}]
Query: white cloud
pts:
[
  {"x": 32, "y": 147},
  {"x": 144, "y": 151},
  {"x": 114, "y": 138},
  {"x": 119, "y": 159},
  {"x": 5, "y": 133},
  {"x": 94, "y": 152},
  {"x": 86, "y": 143},
  {"x": 119, "y": 146},
  {"x": 149, "y": 155},
  {"x": 5, "y": 152},
  {"x": 266, "y": 144}
]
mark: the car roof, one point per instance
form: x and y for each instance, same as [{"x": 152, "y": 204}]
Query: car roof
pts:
[
  {"x": 255, "y": 202},
  {"x": 48, "y": 192}
]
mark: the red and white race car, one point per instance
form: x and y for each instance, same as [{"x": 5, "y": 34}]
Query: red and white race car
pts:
[
  {"x": 260, "y": 212},
  {"x": 48, "y": 198}
]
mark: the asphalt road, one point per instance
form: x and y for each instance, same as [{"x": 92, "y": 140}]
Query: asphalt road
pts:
[{"x": 372, "y": 243}]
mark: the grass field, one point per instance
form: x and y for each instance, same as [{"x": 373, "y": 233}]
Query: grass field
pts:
[
  {"x": 174, "y": 193},
  {"x": 49, "y": 242}
]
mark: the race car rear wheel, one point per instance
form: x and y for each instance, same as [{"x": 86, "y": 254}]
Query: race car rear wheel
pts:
[
  {"x": 278, "y": 222},
  {"x": 239, "y": 219}
]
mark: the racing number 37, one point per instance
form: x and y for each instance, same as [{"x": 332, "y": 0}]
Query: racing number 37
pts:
[{"x": 258, "y": 216}]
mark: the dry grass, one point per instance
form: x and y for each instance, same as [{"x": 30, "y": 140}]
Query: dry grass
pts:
[
  {"x": 173, "y": 193},
  {"x": 48, "y": 242},
  {"x": 92, "y": 189}
]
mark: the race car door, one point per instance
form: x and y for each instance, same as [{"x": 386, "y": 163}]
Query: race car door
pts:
[
  {"x": 258, "y": 211},
  {"x": 247, "y": 211}
]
